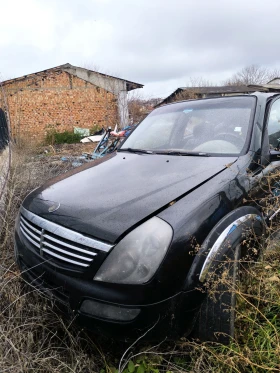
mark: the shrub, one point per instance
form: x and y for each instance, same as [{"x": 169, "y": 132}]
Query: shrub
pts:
[{"x": 66, "y": 137}]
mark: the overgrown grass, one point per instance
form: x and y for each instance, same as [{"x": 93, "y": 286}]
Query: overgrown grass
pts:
[{"x": 34, "y": 337}]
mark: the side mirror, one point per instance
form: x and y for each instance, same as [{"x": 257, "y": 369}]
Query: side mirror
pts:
[{"x": 274, "y": 155}]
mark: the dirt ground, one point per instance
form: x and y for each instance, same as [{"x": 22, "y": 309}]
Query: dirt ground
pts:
[
  {"x": 49, "y": 161},
  {"x": 68, "y": 149}
]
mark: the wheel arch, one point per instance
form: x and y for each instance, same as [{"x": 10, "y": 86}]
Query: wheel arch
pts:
[{"x": 231, "y": 229}]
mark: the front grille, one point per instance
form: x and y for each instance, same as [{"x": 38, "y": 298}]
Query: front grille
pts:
[{"x": 59, "y": 245}]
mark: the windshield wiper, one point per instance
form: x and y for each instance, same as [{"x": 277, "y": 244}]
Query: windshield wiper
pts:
[
  {"x": 132, "y": 150},
  {"x": 178, "y": 152}
]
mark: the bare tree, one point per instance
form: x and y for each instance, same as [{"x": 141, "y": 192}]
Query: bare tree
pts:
[
  {"x": 139, "y": 106},
  {"x": 91, "y": 66},
  {"x": 253, "y": 74},
  {"x": 198, "y": 82}
]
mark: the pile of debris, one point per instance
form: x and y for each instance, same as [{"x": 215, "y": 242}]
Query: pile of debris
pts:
[{"x": 88, "y": 149}]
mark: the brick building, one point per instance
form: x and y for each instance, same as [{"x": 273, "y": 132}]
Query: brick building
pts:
[{"x": 62, "y": 98}]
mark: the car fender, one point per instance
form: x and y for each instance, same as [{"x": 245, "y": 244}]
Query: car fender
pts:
[{"x": 230, "y": 230}]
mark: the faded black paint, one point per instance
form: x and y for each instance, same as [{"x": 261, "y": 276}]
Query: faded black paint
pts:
[{"x": 108, "y": 200}]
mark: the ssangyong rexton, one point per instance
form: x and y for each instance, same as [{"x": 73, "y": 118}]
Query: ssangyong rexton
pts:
[{"x": 128, "y": 242}]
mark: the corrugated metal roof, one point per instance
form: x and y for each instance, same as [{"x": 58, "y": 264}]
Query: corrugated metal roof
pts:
[
  {"x": 131, "y": 85},
  {"x": 219, "y": 90},
  {"x": 274, "y": 80}
]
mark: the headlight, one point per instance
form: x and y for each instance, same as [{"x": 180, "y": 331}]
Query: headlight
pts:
[{"x": 136, "y": 257}]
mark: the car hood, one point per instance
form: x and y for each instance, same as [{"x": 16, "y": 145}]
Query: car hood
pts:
[{"x": 106, "y": 198}]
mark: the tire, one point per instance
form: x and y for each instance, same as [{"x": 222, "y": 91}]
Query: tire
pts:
[
  {"x": 216, "y": 271},
  {"x": 215, "y": 320},
  {"x": 241, "y": 234}
]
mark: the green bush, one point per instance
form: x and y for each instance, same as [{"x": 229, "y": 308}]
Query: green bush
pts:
[{"x": 66, "y": 137}]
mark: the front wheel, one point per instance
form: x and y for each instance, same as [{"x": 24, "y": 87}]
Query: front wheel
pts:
[
  {"x": 215, "y": 321},
  {"x": 217, "y": 270}
]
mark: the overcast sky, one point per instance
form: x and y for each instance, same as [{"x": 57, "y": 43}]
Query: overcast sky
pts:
[{"x": 158, "y": 43}]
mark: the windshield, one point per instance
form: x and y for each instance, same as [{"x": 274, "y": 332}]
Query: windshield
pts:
[{"x": 213, "y": 126}]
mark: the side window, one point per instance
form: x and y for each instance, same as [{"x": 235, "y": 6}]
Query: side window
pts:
[{"x": 273, "y": 125}]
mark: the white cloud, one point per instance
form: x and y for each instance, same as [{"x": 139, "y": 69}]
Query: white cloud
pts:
[
  {"x": 86, "y": 38},
  {"x": 160, "y": 44},
  {"x": 28, "y": 23}
]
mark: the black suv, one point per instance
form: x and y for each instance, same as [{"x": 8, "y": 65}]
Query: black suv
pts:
[{"x": 128, "y": 242}]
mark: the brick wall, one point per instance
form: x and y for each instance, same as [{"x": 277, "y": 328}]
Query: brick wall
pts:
[{"x": 56, "y": 100}]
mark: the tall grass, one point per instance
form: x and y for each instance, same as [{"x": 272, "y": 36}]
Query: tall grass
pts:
[{"x": 34, "y": 337}]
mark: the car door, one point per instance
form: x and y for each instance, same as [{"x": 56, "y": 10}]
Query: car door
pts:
[
  {"x": 273, "y": 125},
  {"x": 270, "y": 175}
]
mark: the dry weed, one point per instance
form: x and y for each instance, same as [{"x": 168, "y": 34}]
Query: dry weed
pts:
[{"x": 34, "y": 337}]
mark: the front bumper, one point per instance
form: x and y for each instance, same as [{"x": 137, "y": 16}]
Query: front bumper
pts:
[{"x": 127, "y": 321}]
